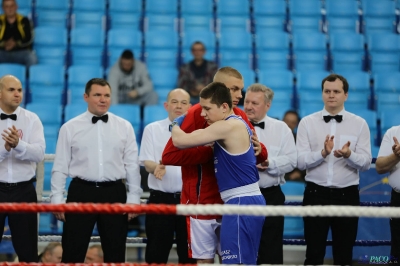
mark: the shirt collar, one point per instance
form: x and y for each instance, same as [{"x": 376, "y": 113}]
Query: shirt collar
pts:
[
  {"x": 325, "y": 112},
  {"x": 17, "y": 111}
]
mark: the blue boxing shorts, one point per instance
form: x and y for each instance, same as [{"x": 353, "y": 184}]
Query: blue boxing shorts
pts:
[{"x": 240, "y": 235}]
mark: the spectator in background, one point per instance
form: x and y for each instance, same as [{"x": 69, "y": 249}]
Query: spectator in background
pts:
[
  {"x": 282, "y": 158},
  {"x": 16, "y": 36},
  {"x": 52, "y": 253},
  {"x": 94, "y": 254},
  {"x": 196, "y": 74},
  {"x": 130, "y": 82},
  {"x": 292, "y": 119},
  {"x": 165, "y": 188}
]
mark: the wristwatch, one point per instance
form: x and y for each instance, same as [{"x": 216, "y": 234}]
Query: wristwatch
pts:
[{"x": 173, "y": 124}]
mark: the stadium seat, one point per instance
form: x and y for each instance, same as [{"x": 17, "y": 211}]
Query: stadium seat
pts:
[
  {"x": 347, "y": 51},
  {"x": 315, "y": 42},
  {"x": 277, "y": 80},
  {"x": 305, "y": 24},
  {"x": 345, "y": 61},
  {"x": 277, "y": 60},
  {"x": 161, "y": 7},
  {"x": 239, "y": 59},
  {"x": 341, "y": 9},
  {"x": 122, "y": 39},
  {"x": 89, "y": 6},
  {"x": 49, "y": 114},
  {"x": 53, "y": 18},
  {"x": 162, "y": 95},
  {"x": 50, "y": 45},
  {"x": 309, "y": 50},
  {"x": 308, "y": 60},
  {"x": 307, "y": 80},
  {"x": 153, "y": 22},
  {"x": 24, "y": 8},
  {"x": 243, "y": 41},
  {"x": 238, "y": 8},
  {"x": 387, "y": 82},
  {"x": 310, "y": 99},
  {"x": 293, "y": 226},
  {"x": 342, "y": 25},
  {"x": 131, "y": 113},
  {"x": 128, "y": 21},
  {"x": 87, "y": 46},
  {"x": 161, "y": 40},
  {"x": 164, "y": 78},
  {"x": 359, "y": 81},
  {"x": 389, "y": 119},
  {"x": 161, "y": 58},
  {"x": 378, "y": 25},
  {"x": 46, "y": 83},
  {"x": 125, "y": 6},
  {"x": 190, "y": 22},
  {"x": 387, "y": 102},
  {"x": 17, "y": 70},
  {"x": 203, "y": 8},
  {"x": 78, "y": 76},
  {"x": 231, "y": 23},
  {"x": 270, "y": 8},
  {"x": 268, "y": 24},
  {"x": 281, "y": 101},
  {"x": 266, "y": 40},
  {"x": 73, "y": 110},
  {"x": 384, "y": 43},
  {"x": 249, "y": 77},
  {"x": 305, "y": 8},
  {"x": 383, "y": 62},
  {"x": 378, "y": 9},
  {"x": 84, "y": 19},
  {"x": 153, "y": 113}
]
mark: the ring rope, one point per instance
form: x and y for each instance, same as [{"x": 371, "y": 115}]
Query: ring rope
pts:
[{"x": 212, "y": 209}]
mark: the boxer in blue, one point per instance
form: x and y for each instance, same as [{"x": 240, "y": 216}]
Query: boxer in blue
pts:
[{"x": 235, "y": 169}]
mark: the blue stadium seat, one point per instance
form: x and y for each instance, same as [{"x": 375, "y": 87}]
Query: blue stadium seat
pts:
[
  {"x": 378, "y": 25},
  {"x": 270, "y": 8},
  {"x": 153, "y": 113},
  {"x": 231, "y": 23},
  {"x": 196, "y": 23},
  {"x": 85, "y": 19},
  {"x": 347, "y": 50},
  {"x": 158, "y": 22},
  {"x": 309, "y": 42},
  {"x": 357, "y": 100},
  {"x": 161, "y": 58},
  {"x": 277, "y": 60},
  {"x": 128, "y": 21},
  {"x": 307, "y": 80},
  {"x": 249, "y": 77},
  {"x": 236, "y": 59},
  {"x": 161, "y": 7},
  {"x": 238, "y": 8},
  {"x": 305, "y": 24},
  {"x": 387, "y": 82},
  {"x": 51, "y": 5},
  {"x": 89, "y": 6},
  {"x": 190, "y": 7},
  {"x": 243, "y": 41},
  {"x": 342, "y": 25},
  {"x": 131, "y": 113},
  {"x": 122, "y": 39},
  {"x": 383, "y": 62},
  {"x": 87, "y": 46},
  {"x": 164, "y": 78},
  {"x": 51, "y": 45},
  {"x": 310, "y": 99},
  {"x": 78, "y": 76},
  {"x": 293, "y": 226},
  {"x": 309, "y": 51},
  {"x": 359, "y": 81},
  {"x": 24, "y": 8},
  {"x": 161, "y": 40},
  {"x": 51, "y": 144},
  {"x": 387, "y": 101},
  {"x": 46, "y": 83},
  {"x": 49, "y": 114},
  {"x": 75, "y": 95},
  {"x": 305, "y": 8},
  {"x": 384, "y": 43},
  {"x": 341, "y": 9},
  {"x": 268, "y": 24},
  {"x": 378, "y": 9},
  {"x": 389, "y": 119},
  {"x": 277, "y": 80},
  {"x": 282, "y": 102},
  {"x": 162, "y": 95},
  {"x": 17, "y": 70},
  {"x": 272, "y": 41},
  {"x": 308, "y": 60},
  {"x": 345, "y": 61},
  {"x": 73, "y": 110},
  {"x": 54, "y": 18},
  {"x": 125, "y": 6}
]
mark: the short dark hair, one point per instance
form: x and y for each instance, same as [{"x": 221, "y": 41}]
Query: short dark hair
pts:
[
  {"x": 198, "y": 42},
  {"x": 127, "y": 54},
  {"x": 218, "y": 93},
  {"x": 293, "y": 112},
  {"x": 97, "y": 81},
  {"x": 333, "y": 77}
]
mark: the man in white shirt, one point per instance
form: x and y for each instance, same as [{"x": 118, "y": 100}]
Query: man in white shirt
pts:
[
  {"x": 282, "y": 158},
  {"x": 165, "y": 188},
  {"x": 388, "y": 162},
  {"x": 333, "y": 145},
  {"x": 98, "y": 150},
  {"x": 21, "y": 149}
]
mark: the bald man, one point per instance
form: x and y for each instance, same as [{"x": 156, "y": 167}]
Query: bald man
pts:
[
  {"x": 21, "y": 148},
  {"x": 198, "y": 174},
  {"x": 94, "y": 254},
  {"x": 166, "y": 188}
]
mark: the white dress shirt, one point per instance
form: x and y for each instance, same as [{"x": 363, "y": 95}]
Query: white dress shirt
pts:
[
  {"x": 386, "y": 150},
  {"x": 96, "y": 152},
  {"x": 19, "y": 164},
  {"x": 282, "y": 154},
  {"x": 332, "y": 171},
  {"x": 155, "y": 137}
]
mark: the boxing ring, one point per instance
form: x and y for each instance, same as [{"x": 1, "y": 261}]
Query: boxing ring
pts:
[{"x": 373, "y": 237}]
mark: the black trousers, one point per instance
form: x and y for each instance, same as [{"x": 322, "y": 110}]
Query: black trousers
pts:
[
  {"x": 78, "y": 228},
  {"x": 160, "y": 231},
  {"x": 395, "y": 228},
  {"x": 271, "y": 244},
  {"x": 23, "y": 226},
  {"x": 344, "y": 230}
]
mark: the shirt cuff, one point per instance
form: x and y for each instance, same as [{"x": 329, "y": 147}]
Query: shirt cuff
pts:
[
  {"x": 57, "y": 199},
  {"x": 133, "y": 198},
  {"x": 21, "y": 147}
]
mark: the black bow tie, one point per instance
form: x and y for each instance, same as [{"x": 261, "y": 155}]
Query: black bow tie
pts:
[
  {"x": 12, "y": 116},
  {"x": 97, "y": 118},
  {"x": 260, "y": 125},
  {"x": 328, "y": 118}
]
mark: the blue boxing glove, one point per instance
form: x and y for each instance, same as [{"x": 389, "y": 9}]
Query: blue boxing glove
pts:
[{"x": 177, "y": 121}]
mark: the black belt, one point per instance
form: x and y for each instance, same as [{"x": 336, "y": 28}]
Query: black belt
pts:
[
  {"x": 165, "y": 194},
  {"x": 2, "y": 184},
  {"x": 332, "y": 189},
  {"x": 270, "y": 189},
  {"x": 96, "y": 184}
]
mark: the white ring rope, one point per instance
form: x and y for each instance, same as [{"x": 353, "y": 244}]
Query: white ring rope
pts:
[{"x": 95, "y": 239}]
